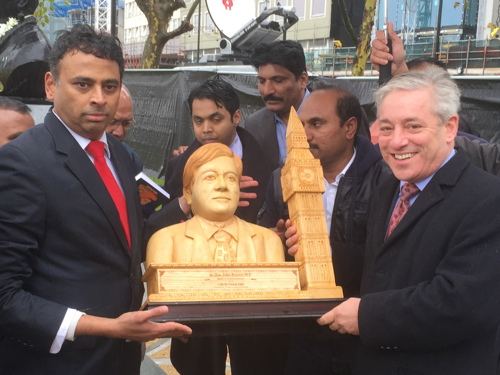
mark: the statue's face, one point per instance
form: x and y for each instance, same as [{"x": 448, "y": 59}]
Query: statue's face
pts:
[{"x": 216, "y": 190}]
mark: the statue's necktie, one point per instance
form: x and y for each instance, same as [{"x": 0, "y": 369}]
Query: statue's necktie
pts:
[{"x": 223, "y": 251}]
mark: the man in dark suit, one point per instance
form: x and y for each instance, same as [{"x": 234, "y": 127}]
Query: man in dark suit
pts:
[
  {"x": 70, "y": 276},
  {"x": 431, "y": 262},
  {"x": 215, "y": 114}
]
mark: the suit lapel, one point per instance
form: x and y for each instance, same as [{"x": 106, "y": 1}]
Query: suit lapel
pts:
[
  {"x": 80, "y": 165},
  {"x": 245, "y": 253},
  {"x": 199, "y": 243}
]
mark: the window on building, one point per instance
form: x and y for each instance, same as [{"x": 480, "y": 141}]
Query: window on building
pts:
[
  {"x": 300, "y": 8},
  {"x": 209, "y": 24},
  {"x": 195, "y": 23},
  {"x": 174, "y": 24},
  {"x": 318, "y": 8}
]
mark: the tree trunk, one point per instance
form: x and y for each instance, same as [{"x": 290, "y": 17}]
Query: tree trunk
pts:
[
  {"x": 158, "y": 14},
  {"x": 363, "y": 49}
]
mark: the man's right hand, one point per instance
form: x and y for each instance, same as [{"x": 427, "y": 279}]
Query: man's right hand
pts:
[
  {"x": 380, "y": 52},
  {"x": 135, "y": 326}
]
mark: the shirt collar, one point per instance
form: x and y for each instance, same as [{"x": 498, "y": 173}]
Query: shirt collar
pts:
[
  {"x": 82, "y": 141},
  {"x": 344, "y": 171},
  {"x": 237, "y": 147}
]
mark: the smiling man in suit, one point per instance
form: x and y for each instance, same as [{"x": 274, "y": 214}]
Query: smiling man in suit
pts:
[
  {"x": 70, "y": 230},
  {"x": 431, "y": 262}
]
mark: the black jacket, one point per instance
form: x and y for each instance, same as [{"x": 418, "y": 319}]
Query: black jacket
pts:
[{"x": 349, "y": 219}]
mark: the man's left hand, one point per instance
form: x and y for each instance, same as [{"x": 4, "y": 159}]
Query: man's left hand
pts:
[
  {"x": 245, "y": 182},
  {"x": 343, "y": 318}
]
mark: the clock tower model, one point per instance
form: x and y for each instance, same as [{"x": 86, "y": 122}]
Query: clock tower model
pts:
[{"x": 303, "y": 184}]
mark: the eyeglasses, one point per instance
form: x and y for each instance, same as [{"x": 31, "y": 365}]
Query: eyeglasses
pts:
[{"x": 127, "y": 124}]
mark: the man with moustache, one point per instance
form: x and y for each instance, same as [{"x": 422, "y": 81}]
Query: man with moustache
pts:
[
  {"x": 282, "y": 83},
  {"x": 70, "y": 227},
  {"x": 431, "y": 262},
  {"x": 352, "y": 168}
]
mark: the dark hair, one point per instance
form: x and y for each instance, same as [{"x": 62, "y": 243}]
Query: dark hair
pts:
[
  {"x": 13, "y": 105},
  {"x": 221, "y": 92},
  {"x": 85, "y": 39},
  {"x": 419, "y": 61},
  {"x": 286, "y": 53},
  {"x": 347, "y": 104}
]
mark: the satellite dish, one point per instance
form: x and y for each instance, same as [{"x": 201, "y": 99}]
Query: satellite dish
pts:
[{"x": 230, "y": 15}]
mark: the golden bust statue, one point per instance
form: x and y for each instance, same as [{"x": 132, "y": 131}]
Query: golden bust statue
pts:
[{"x": 211, "y": 186}]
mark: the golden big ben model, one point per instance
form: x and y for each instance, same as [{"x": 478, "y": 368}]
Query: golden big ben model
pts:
[{"x": 303, "y": 184}]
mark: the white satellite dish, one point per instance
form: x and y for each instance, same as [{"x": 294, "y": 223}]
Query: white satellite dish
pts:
[{"x": 230, "y": 15}]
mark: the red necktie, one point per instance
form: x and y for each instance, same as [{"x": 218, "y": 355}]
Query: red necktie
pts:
[
  {"x": 408, "y": 191},
  {"x": 96, "y": 149}
]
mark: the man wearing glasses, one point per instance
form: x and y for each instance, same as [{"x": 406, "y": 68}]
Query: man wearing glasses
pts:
[{"x": 122, "y": 123}]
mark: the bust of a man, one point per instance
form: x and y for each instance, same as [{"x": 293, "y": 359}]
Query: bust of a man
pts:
[{"x": 214, "y": 234}]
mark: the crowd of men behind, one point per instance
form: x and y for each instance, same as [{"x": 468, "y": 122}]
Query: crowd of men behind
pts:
[{"x": 412, "y": 222}]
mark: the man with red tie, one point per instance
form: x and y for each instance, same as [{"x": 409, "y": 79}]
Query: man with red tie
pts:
[
  {"x": 70, "y": 227},
  {"x": 431, "y": 261}
]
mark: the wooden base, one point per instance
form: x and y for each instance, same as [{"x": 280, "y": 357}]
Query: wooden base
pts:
[
  {"x": 248, "y": 317},
  {"x": 232, "y": 282}
]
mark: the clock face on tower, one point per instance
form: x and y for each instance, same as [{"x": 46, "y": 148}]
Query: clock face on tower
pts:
[{"x": 307, "y": 176}]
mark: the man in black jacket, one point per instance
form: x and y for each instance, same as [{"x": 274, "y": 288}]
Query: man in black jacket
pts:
[{"x": 352, "y": 168}]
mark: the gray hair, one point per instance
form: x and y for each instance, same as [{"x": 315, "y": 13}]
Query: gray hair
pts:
[{"x": 445, "y": 92}]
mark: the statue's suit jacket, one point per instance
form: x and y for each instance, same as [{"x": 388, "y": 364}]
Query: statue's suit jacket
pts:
[
  {"x": 62, "y": 245},
  {"x": 429, "y": 300},
  {"x": 186, "y": 243}
]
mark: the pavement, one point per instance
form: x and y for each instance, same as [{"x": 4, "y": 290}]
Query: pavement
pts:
[{"x": 149, "y": 367}]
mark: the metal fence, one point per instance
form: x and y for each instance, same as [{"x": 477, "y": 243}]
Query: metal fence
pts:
[{"x": 475, "y": 57}]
